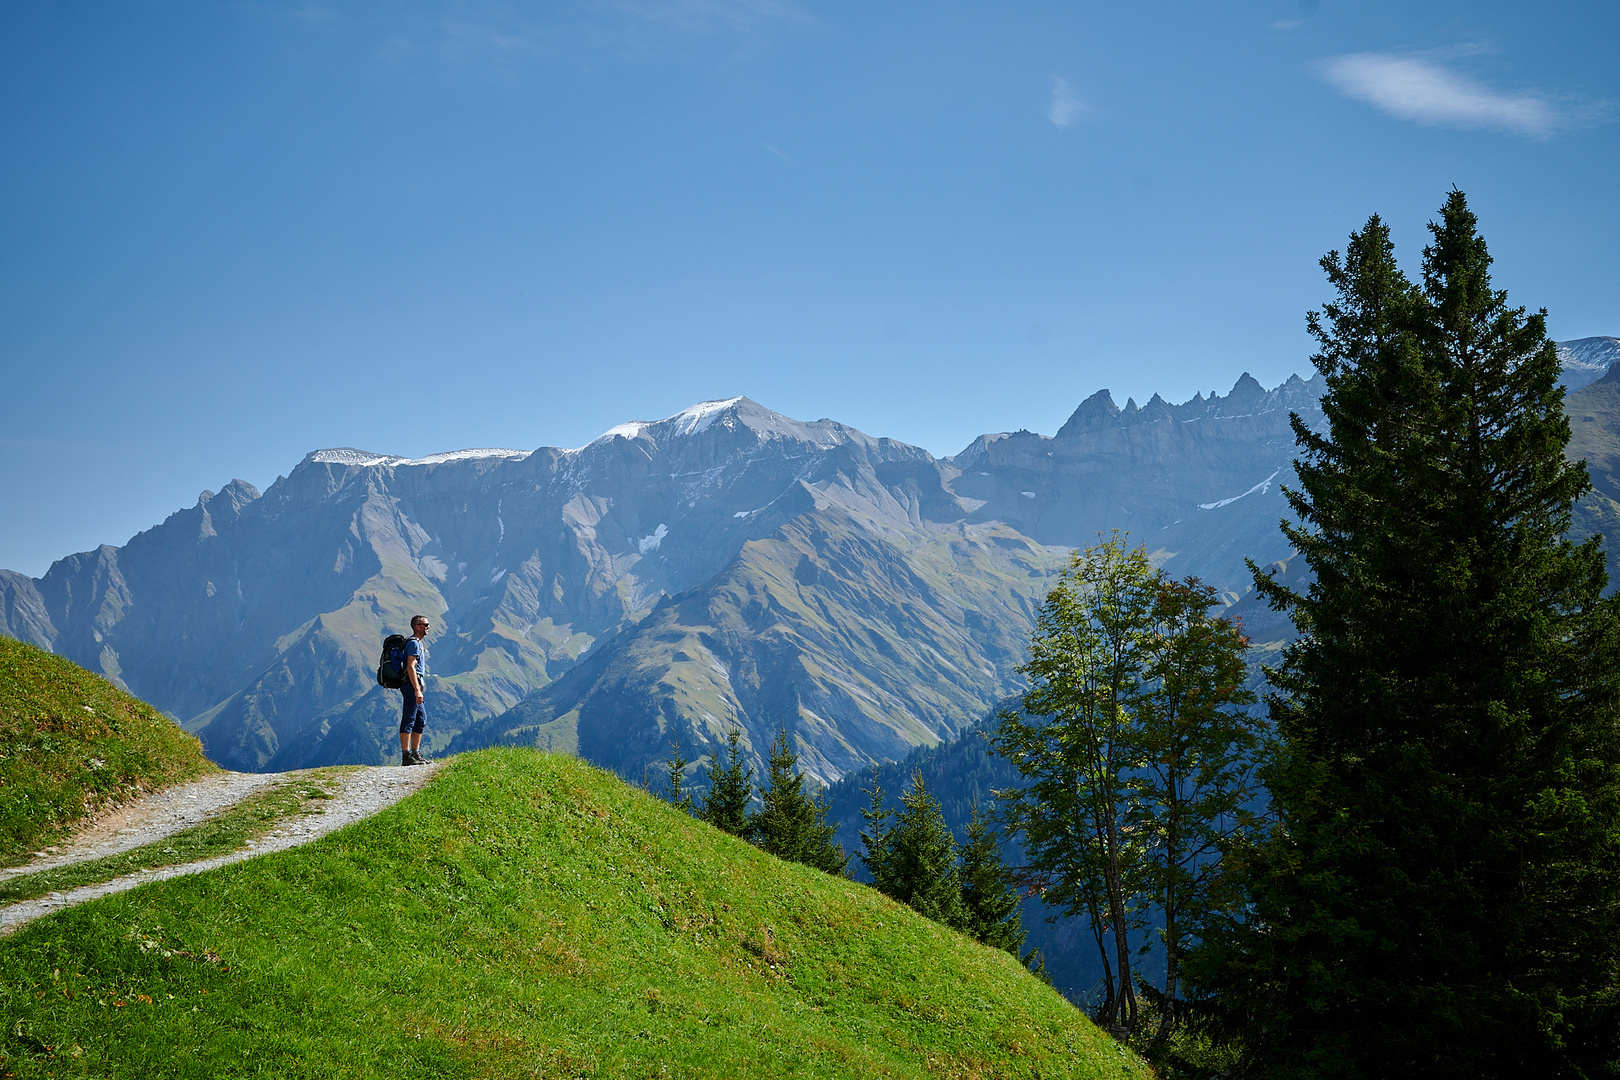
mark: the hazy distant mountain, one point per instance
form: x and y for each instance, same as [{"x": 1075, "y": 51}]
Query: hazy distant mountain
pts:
[
  {"x": 1587, "y": 360},
  {"x": 726, "y": 564}
]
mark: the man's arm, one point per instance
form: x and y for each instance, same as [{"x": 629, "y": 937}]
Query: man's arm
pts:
[{"x": 411, "y": 675}]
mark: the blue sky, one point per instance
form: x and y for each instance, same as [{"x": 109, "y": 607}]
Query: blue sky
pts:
[{"x": 232, "y": 233}]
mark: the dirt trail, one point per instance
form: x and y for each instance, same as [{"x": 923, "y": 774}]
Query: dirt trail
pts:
[{"x": 356, "y": 794}]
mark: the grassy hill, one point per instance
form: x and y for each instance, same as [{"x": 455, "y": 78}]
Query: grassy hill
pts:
[
  {"x": 525, "y": 915},
  {"x": 71, "y": 741}
]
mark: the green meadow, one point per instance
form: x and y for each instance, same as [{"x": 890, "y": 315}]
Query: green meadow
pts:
[{"x": 525, "y": 915}]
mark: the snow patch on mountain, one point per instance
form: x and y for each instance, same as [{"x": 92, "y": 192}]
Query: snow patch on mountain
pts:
[
  {"x": 692, "y": 420},
  {"x": 1262, "y": 487},
  {"x": 651, "y": 541},
  {"x": 631, "y": 430}
]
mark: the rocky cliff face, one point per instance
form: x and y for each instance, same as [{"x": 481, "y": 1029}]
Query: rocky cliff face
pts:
[{"x": 726, "y": 565}]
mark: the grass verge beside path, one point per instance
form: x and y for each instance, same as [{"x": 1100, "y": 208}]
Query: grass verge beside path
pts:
[
  {"x": 525, "y": 915},
  {"x": 71, "y": 742},
  {"x": 247, "y": 820}
]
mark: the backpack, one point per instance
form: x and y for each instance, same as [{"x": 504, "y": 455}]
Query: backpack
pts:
[{"x": 391, "y": 665}]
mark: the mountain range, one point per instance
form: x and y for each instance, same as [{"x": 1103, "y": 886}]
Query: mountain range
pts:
[{"x": 725, "y": 566}]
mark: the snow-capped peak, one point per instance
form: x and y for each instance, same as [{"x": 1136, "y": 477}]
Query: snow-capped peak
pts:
[
  {"x": 347, "y": 455},
  {"x": 698, "y": 418},
  {"x": 689, "y": 421}
]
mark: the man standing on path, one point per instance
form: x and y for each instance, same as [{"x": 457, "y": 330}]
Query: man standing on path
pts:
[{"x": 414, "y": 717}]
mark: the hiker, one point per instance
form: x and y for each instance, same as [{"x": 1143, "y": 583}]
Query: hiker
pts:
[{"x": 414, "y": 716}]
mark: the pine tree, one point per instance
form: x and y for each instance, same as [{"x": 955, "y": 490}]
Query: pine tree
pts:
[
  {"x": 990, "y": 898},
  {"x": 917, "y": 864},
  {"x": 875, "y": 837},
  {"x": 1440, "y": 896},
  {"x": 676, "y": 765},
  {"x": 731, "y": 789},
  {"x": 790, "y": 824}
]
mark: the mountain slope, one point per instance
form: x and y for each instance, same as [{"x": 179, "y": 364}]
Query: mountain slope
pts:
[
  {"x": 526, "y": 914},
  {"x": 857, "y": 590},
  {"x": 862, "y": 640}
]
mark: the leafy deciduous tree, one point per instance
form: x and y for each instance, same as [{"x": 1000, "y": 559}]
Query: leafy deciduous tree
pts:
[{"x": 1136, "y": 760}]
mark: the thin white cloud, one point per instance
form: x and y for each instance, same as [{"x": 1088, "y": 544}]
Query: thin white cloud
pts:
[
  {"x": 1422, "y": 91},
  {"x": 746, "y": 16},
  {"x": 1065, "y": 109}
]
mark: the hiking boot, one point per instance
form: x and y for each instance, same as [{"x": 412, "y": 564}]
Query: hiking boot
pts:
[
  {"x": 420, "y": 760},
  {"x": 408, "y": 758}
]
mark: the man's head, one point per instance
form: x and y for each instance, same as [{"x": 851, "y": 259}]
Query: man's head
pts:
[{"x": 419, "y": 625}]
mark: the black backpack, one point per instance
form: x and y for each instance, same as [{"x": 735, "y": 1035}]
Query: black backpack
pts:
[{"x": 391, "y": 665}]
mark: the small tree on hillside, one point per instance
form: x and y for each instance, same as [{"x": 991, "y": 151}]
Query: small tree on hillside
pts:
[
  {"x": 790, "y": 824},
  {"x": 731, "y": 788},
  {"x": 875, "y": 837},
  {"x": 989, "y": 896},
  {"x": 676, "y": 765},
  {"x": 914, "y": 858}
]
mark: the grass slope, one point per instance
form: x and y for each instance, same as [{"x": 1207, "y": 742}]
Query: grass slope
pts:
[
  {"x": 524, "y": 915},
  {"x": 71, "y": 741}
]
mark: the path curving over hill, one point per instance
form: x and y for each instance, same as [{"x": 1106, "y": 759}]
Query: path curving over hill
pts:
[{"x": 355, "y": 793}]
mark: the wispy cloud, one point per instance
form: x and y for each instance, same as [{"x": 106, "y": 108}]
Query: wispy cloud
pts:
[
  {"x": 703, "y": 16},
  {"x": 1418, "y": 89},
  {"x": 1065, "y": 109},
  {"x": 500, "y": 35}
]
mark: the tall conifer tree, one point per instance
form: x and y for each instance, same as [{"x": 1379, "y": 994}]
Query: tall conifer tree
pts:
[
  {"x": 913, "y": 859},
  {"x": 791, "y": 824},
  {"x": 990, "y": 897},
  {"x": 1440, "y": 896},
  {"x": 731, "y": 789}
]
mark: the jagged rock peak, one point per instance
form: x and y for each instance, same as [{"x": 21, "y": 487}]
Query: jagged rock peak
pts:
[
  {"x": 1096, "y": 412},
  {"x": 237, "y": 493},
  {"x": 1246, "y": 388},
  {"x": 1248, "y": 396}
]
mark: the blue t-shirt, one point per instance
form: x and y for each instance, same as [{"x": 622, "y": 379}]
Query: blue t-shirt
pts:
[{"x": 413, "y": 647}]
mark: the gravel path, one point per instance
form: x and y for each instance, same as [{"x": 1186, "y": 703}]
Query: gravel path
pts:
[{"x": 356, "y": 794}]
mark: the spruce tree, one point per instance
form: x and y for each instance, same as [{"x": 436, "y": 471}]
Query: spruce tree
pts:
[
  {"x": 790, "y": 824},
  {"x": 875, "y": 837},
  {"x": 990, "y": 899},
  {"x": 1440, "y": 895},
  {"x": 731, "y": 788},
  {"x": 675, "y": 766},
  {"x": 917, "y": 865}
]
